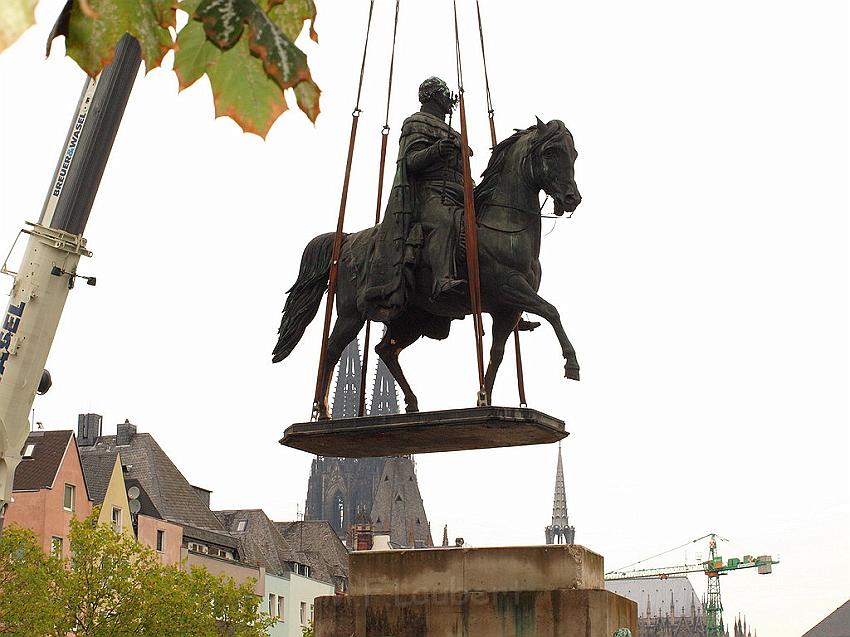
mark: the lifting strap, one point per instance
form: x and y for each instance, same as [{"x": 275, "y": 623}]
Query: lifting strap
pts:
[
  {"x": 318, "y": 398},
  {"x": 520, "y": 380},
  {"x": 470, "y": 227},
  {"x": 385, "y": 131}
]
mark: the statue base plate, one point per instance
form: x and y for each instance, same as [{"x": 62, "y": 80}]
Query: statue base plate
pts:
[{"x": 425, "y": 432}]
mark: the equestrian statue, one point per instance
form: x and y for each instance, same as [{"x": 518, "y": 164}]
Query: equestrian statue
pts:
[{"x": 409, "y": 271}]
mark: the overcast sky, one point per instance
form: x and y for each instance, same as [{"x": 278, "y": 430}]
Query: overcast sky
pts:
[{"x": 703, "y": 280}]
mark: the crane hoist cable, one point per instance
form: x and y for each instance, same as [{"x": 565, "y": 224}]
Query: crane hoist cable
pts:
[
  {"x": 337, "y": 245},
  {"x": 520, "y": 377},
  {"x": 470, "y": 227},
  {"x": 385, "y": 131}
]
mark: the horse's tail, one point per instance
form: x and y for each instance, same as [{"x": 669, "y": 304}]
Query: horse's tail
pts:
[{"x": 304, "y": 297}]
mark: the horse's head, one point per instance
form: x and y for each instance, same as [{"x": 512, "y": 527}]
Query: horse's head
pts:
[{"x": 550, "y": 163}]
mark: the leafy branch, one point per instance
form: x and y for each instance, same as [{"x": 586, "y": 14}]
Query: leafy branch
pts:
[{"x": 245, "y": 47}]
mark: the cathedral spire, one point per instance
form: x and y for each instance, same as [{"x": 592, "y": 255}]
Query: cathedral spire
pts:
[
  {"x": 346, "y": 393},
  {"x": 384, "y": 397},
  {"x": 560, "y": 531}
]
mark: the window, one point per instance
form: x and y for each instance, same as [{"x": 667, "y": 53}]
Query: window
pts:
[
  {"x": 56, "y": 546},
  {"x": 160, "y": 539},
  {"x": 272, "y": 605},
  {"x": 311, "y": 613},
  {"x": 28, "y": 451},
  {"x": 280, "y": 607},
  {"x": 240, "y": 526},
  {"x": 303, "y": 612},
  {"x": 198, "y": 548},
  {"x": 116, "y": 519},
  {"x": 69, "y": 497}
]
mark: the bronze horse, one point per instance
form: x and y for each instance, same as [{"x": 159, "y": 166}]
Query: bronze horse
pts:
[{"x": 508, "y": 211}]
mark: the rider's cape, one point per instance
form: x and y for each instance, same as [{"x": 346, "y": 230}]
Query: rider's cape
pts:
[{"x": 384, "y": 257}]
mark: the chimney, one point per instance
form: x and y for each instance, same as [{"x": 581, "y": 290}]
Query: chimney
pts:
[
  {"x": 124, "y": 433},
  {"x": 89, "y": 427}
]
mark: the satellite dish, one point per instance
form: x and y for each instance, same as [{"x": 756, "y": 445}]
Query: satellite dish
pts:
[
  {"x": 133, "y": 492},
  {"x": 135, "y": 506}
]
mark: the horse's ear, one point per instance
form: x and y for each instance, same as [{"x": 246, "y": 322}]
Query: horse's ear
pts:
[{"x": 540, "y": 125}]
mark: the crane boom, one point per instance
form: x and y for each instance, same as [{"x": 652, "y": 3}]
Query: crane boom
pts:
[
  {"x": 764, "y": 563},
  {"x": 49, "y": 266}
]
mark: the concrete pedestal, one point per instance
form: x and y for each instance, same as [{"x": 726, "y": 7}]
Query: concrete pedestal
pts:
[{"x": 532, "y": 591}]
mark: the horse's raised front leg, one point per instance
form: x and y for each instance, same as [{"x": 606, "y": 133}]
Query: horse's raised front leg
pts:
[
  {"x": 345, "y": 330},
  {"x": 399, "y": 335},
  {"x": 503, "y": 325},
  {"x": 519, "y": 294}
]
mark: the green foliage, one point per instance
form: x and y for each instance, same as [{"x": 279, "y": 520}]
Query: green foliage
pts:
[
  {"x": 249, "y": 68},
  {"x": 245, "y": 47},
  {"x": 307, "y": 631},
  {"x": 28, "y": 585},
  {"x": 115, "y": 587},
  {"x": 95, "y": 27}
]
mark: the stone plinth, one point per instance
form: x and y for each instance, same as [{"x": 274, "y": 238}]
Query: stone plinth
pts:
[
  {"x": 459, "y": 570},
  {"x": 533, "y": 591}
]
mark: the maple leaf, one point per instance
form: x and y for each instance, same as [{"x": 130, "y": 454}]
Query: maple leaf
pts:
[
  {"x": 245, "y": 47},
  {"x": 92, "y": 29},
  {"x": 249, "y": 57},
  {"x": 16, "y": 16},
  {"x": 290, "y": 16}
]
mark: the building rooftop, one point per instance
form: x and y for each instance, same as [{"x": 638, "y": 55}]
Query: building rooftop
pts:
[
  {"x": 658, "y": 597},
  {"x": 836, "y": 624},
  {"x": 262, "y": 543},
  {"x": 39, "y": 467},
  {"x": 149, "y": 466},
  {"x": 317, "y": 541}
]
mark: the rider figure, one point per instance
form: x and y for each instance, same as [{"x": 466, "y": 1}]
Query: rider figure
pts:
[{"x": 432, "y": 152}]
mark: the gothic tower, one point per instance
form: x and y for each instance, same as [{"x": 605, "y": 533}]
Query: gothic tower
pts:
[
  {"x": 343, "y": 490},
  {"x": 560, "y": 531}
]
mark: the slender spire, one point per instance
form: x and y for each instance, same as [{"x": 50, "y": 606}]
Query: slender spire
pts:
[
  {"x": 384, "y": 396},
  {"x": 560, "y": 531},
  {"x": 347, "y": 383},
  {"x": 445, "y": 535}
]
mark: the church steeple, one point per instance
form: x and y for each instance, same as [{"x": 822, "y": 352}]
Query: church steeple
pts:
[
  {"x": 347, "y": 389},
  {"x": 560, "y": 531},
  {"x": 384, "y": 397},
  {"x": 342, "y": 489}
]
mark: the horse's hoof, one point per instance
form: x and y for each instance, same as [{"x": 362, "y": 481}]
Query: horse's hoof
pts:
[
  {"x": 412, "y": 409},
  {"x": 571, "y": 373}
]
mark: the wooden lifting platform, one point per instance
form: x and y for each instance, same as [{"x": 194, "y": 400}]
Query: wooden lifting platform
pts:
[{"x": 425, "y": 432}]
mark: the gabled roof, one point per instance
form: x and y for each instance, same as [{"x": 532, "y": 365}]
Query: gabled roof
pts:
[
  {"x": 318, "y": 542},
  {"x": 170, "y": 493},
  {"x": 39, "y": 471},
  {"x": 836, "y": 624},
  {"x": 262, "y": 544}
]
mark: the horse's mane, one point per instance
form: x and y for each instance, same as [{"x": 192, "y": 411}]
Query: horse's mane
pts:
[{"x": 491, "y": 175}]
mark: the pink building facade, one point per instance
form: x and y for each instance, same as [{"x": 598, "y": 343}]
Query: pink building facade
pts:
[
  {"x": 49, "y": 489},
  {"x": 166, "y": 538}
]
